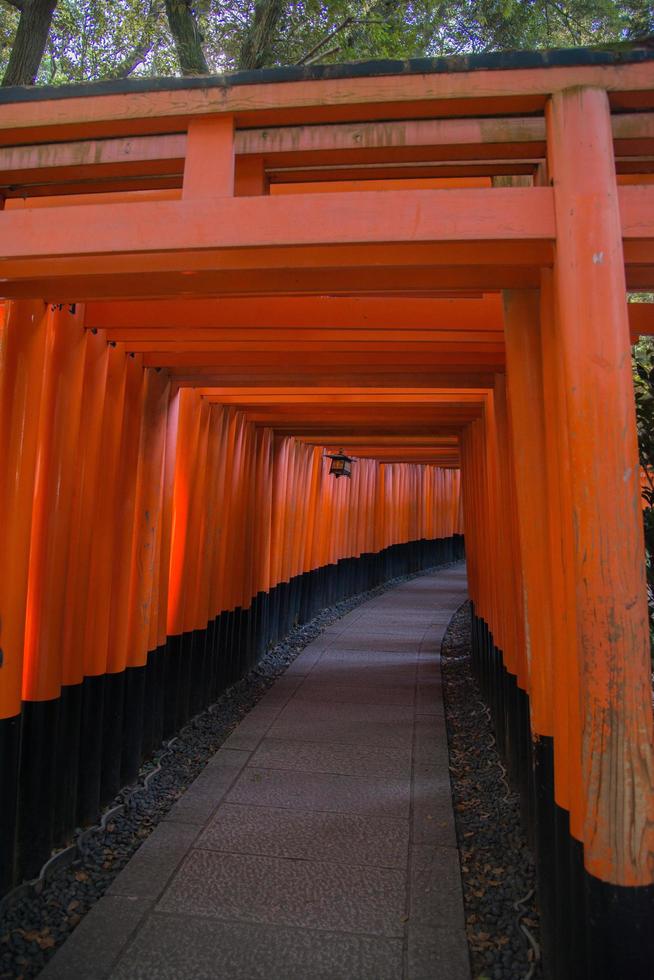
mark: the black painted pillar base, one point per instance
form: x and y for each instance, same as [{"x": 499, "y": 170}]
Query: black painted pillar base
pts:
[
  {"x": 112, "y": 735},
  {"x": 10, "y": 731},
  {"x": 36, "y": 804},
  {"x": 133, "y": 727},
  {"x": 90, "y": 753},
  {"x": 620, "y": 931},
  {"x": 66, "y": 766}
]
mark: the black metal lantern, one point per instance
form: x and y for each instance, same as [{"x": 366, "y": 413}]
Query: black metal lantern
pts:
[{"x": 341, "y": 465}]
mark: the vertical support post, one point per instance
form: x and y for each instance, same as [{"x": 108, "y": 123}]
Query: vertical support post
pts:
[
  {"x": 142, "y": 687},
  {"x": 512, "y": 592},
  {"x": 614, "y": 667},
  {"x": 116, "y": 722},
  {"x": 22, "y": 353},
  {"x": 522, "y": 334},
  {"x": 570, "y": 945},
  {"x": 45, "y": 759},
  {"x": 209, "y": 164},
  {"x": 103, "y": 489}
]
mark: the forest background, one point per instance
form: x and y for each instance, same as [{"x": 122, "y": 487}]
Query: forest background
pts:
[{"x": 57, "y": 41}]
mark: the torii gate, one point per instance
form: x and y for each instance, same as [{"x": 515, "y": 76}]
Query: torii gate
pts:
[{"x": 425, "y": 263}]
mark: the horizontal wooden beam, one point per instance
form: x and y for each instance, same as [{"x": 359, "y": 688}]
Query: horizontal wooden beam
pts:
[
  {"x": 181, "y": 351},
  {"x": 90, "y": 165},
  {"x": 512, "y": 91},
  {"x": 497, "y": 214},
  {"x": 252, "y": 397},
  {"x": 165, "y": 233},
  {"x": 198, "y": 378},
  {"x": 466, "y": 315},
  {"x": 297, "y": 338},
  {"x": 379, "y": 172},
  {"x": 327, "y": 391},
  {"x": 253, "y": 318},
  {"x": 400, "y": 140},
  {"x": 317, "y": 359},
  {"x": 357, "y": 439},
  {"x": 401, "y": 134}
]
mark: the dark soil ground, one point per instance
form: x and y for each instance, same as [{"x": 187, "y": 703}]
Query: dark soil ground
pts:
[{"x": 496, "y": 864}]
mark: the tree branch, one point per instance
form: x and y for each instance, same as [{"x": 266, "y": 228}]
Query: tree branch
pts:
[
  {"x": 256, "y": 49},
  {"x": 304, "y": 60},
  {"x": 187, "y": 38},
  {"x": 141, "y": 50},
  {"x": 350, "y": 21},
  {"x": 128, "y": 65},
  {"x": 30, "y": 42}
]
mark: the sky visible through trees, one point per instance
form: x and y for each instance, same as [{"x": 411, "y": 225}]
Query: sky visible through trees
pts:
[{"x": 58, "y": 41}]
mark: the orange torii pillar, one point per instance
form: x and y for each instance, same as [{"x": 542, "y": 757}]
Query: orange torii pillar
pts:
[
  {"x": 535, "y": 509},
  {"x": 612, "y": 649},
  {"x": 22, "y": 356}
]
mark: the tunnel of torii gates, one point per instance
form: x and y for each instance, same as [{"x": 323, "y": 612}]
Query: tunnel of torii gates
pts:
[{"x": 208, "y": 284}]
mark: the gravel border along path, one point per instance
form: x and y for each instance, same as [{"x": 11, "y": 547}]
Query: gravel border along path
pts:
[
  {"x": 36, "y": 920},
  {"x": 497, "y": 867}
]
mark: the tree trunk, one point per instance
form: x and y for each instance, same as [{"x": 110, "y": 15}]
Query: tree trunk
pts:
[
  {"x": 29, "y": 44},
  {"x": 187, "y": 37},
  {"x": 256, "y": 50}
]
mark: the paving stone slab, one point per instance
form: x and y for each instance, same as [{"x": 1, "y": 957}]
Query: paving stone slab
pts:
[
  {"x": 229, "y": 758},
  {"x": 308, "y": 835},
  {"x": 368, "y": 724},
  {"x": 379, "y": 796},
  {"x": 205, "y": 793},
  {"x": 243, "y": 741},
  {"x": 433, "y": 818},
  {"x": 429, "y": 702},
  {"x": 90, "y": 952},
  {"x": 149, "y": 870},
  {"x": 341, "y": 671},
  {"x": 378, "y": 644},
  {"x": 282, "y": 690},
  {"x": 335, "y": 757},
  {"x": 259, "y": 718},
  {"x": 382, "y": 680},
  {"x": 437, "y": 954},
  {"x": 431, "y": 747},
  {"x": 360, "y": 693},
  {"x": 436, "y": 898},
  {"x": 309, "y": 894},
  {"x": 368, "y": 668},
  {"x": 188, "y": 947}
]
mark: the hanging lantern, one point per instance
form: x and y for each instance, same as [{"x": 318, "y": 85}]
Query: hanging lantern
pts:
[{"x": 341, "y": 465}]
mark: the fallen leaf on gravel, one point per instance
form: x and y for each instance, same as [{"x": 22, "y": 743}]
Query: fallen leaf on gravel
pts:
[{"x": 41, "y": 938}]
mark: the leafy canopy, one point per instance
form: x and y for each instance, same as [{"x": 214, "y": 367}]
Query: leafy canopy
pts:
[{"x": 94, "y": 39}]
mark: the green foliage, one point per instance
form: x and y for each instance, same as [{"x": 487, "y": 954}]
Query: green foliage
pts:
[
  {"x": 92, "y": 39},
  {"x": 643, "y": 372}
]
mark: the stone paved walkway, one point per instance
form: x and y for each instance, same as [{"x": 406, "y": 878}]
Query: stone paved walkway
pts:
[{"x": 319, "y": 841}]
